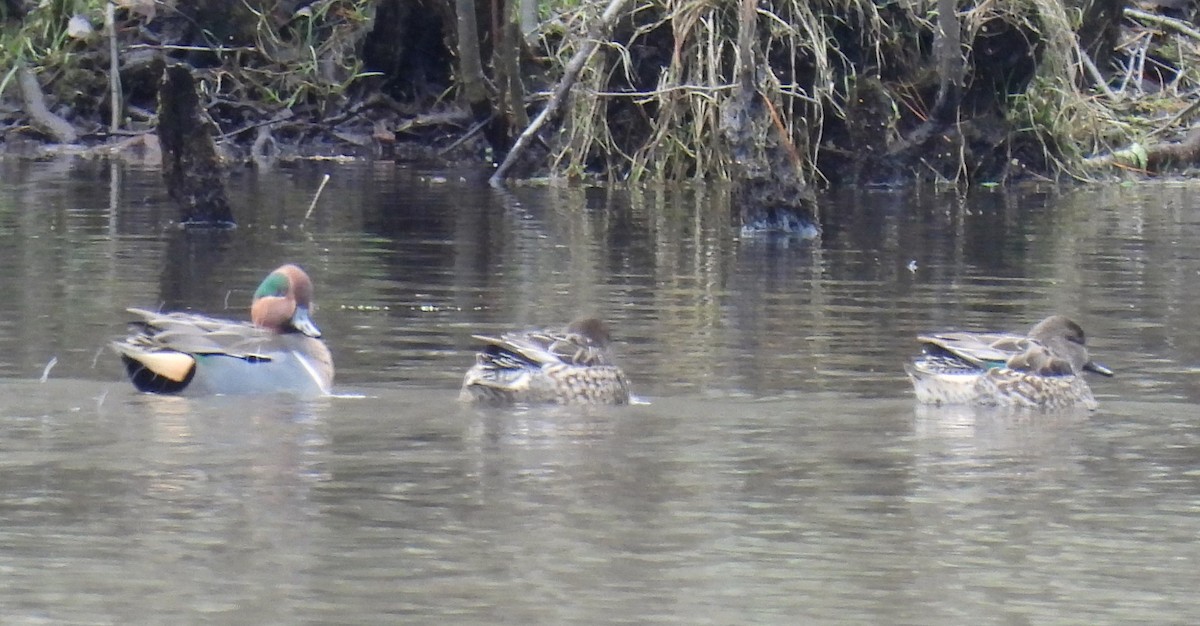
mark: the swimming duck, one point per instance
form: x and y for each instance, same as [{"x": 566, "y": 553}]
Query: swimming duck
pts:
[
  {"x": 1043, "y": 369},
  {"x": 567, "y": 366},
  {"x": 280, "y": 350}
]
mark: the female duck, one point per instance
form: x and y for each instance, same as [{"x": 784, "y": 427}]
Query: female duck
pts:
[
  {"x": 280, "y": 350},
  {"x": 568, "y": 366},
  {"x": 1043, "y": 369}
]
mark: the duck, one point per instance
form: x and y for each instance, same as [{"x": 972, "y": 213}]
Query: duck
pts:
[
  {"x": 279, "y": 350},
  {"x": 1041, "y": 369},
  {"x": 572, "y": 365}
]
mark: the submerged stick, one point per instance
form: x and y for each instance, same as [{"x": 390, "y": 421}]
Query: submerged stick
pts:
[{"x": 570, "y": 75}]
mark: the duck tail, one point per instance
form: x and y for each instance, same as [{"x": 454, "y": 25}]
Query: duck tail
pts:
[{"x": 157, "y": 371}]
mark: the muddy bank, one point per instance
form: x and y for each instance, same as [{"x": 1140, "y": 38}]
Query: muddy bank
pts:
[{"x": 829, "y": 93}]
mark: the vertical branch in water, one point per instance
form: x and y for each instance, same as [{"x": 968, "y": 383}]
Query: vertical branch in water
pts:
[{"x": 191, "y": 169}]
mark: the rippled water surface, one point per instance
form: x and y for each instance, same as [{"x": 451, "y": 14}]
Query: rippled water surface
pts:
[{"x": 779, "y": 471}]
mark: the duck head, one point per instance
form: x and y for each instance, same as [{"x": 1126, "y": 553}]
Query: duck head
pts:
[
  {"x": 1060, "y": 349},
  {"x": 282, "y": 302},
  {"x": 593, "y": 329}
]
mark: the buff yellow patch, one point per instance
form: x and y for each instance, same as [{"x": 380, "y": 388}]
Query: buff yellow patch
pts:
[{"x": 173, "y": 366}]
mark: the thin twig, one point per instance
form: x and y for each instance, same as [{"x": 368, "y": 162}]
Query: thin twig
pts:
[
  {"x": 783, "y": 134},
  {"x": 662, "y": 91},
  {"x": 46, "y": 370},
  {"x": 1178, "y": 26},
  {"x": 1191, "y": 108},
  {"x": 570, "y": 75},
  {"x": 1133, "y": 53},
  {"x": 316, "y": 196},
  {"x": 478, "y": 126},
  {"x": 282, "y": 116},
  {"x": 791, "y": 90},
  {"x": 1093, "y": 71},
  {"x": 114, "y": 68},
  {"x": 155, "y": 46}
]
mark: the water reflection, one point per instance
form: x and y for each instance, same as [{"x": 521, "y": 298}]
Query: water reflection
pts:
[{"x": 780, "y": 470}]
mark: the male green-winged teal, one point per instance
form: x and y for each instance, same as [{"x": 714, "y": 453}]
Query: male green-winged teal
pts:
[
  {"x": 568, "y": 366},
  {"x": 1043, "y": 369},
  {"x": 280, "y": 350}
]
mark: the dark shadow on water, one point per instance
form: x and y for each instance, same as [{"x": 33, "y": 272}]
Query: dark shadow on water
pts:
[{"x": 197, "y": 257}]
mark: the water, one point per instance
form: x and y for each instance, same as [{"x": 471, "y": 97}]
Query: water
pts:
[{"x": 780, "y": 472}]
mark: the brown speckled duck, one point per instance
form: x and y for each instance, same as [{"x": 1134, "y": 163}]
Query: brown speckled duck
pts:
[
  {"x": 1043, "y": 369},
  {"x": 568, "y": 366},
  {"x": 280, "y": 350}
]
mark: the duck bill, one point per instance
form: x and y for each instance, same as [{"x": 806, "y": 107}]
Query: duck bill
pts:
[
  {"x": 1098, "y": 368},
  {"x": 303, "y": 323}
]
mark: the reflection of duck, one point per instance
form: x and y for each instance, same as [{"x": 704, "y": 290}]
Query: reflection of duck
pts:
[
  {"x": 280, "y": 351},
  {"x": 1042, "y": 369},
  {"x": 570, "y": 366}
]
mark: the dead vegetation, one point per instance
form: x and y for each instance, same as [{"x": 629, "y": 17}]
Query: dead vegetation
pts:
[
  {"x": 855, "y": 91},
  {"x": 853, "y": 84}
]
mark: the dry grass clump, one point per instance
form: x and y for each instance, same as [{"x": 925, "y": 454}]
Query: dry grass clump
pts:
[
  {"x": 650, "y": 105},
  {"x": 256, "y": 56}
]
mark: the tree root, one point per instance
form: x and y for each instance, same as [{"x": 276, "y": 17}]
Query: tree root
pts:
[{"x": 34, "y": 102}]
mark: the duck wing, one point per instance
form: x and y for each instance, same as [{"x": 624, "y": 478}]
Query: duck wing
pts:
[
  {"x": 196, "y": 334},
  {"x": 985, "y": 350},
  {"x": 540, "y": 348}
]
